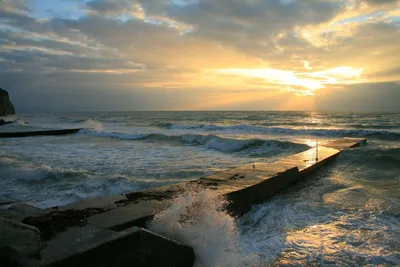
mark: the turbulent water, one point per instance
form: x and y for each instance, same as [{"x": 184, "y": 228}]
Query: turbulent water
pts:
[{"x": 346, "y": 214}]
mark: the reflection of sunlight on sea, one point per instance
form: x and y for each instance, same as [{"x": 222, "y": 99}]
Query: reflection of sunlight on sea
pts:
[{"x": 333, "y": 218}]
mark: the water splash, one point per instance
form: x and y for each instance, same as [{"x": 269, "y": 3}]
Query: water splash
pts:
[
  {"x": 198, "y": 218},
  {"x": 94, "y": 125}
]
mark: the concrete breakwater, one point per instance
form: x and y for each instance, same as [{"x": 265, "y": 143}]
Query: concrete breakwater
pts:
[
  {"x": 108, "y": 231},
  {"x": 38, "y": 133}
]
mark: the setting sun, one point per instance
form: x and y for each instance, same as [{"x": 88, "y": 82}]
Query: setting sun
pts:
[{"x": 310, "y": 81}]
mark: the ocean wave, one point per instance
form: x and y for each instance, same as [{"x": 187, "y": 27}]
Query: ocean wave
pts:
[
  {"x": 20, "y": 170},
  {"x": 379, "y": 159},
  {"x": 93, "y": 124},
  {"x": 163, "y": 125},
  {"x": 72, "y": 120},
  {"x": 371, "y": 133},
  {"x": 45, "y": 186},
  {"x": 255, "y": 146},
  {"x": 122, "y": 136}
]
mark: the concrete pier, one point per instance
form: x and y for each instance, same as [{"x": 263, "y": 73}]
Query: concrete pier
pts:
[
  {"x": 38, "y": 133},
  {"x": 99, "y": 232}
]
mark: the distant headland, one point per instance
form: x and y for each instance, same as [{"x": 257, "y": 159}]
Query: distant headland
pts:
[{"x": 6, "y": 107}]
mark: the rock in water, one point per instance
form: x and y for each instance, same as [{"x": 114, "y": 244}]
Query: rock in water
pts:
[
  {"x": 6, "y": 107},
  {"x": 3, "y": 122}
]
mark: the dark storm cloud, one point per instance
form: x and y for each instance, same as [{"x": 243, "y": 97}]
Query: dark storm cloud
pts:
[{"x": 250, "y": 25}]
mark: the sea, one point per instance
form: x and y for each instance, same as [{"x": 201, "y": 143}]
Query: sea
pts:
[{"x": 345, "y": 214}]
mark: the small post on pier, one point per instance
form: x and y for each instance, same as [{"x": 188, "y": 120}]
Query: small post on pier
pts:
[
  {"x": 254, "y": 166},
  {"x": 316, "y": 152}
]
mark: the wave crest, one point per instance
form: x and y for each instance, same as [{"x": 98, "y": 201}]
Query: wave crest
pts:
[
  {"x": 380, "y": 159},
  {"x": 255, "y": 146},
  {"x": 371, "y": 133}
]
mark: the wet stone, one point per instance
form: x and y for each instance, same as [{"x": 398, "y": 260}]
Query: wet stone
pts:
[
  {"x": 21, "y": 237},
  {"x": 51, "y": 223},
  {"x": 203, "y": 183},
  {"x": 147, "y": 195}
]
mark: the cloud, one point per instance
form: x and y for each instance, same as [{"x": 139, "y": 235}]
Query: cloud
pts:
[
  {"x": 153, "y": 48},
  {"x": 382, "y": 2},
  {"x": 13, "y": 6},
  {"x": 378, "y": 97}
]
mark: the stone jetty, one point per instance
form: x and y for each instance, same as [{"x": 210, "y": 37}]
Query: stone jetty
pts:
[
  {"x": 38, "y": 133},
  {"x": 110, "y": 231}
]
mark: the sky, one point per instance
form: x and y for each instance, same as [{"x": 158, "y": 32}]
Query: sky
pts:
[{"x": 123, "y": 55}]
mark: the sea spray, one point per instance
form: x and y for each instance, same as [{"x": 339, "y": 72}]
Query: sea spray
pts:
[
  {"x": 198, "y": 218},
  {"x": 94, "y": 125}
]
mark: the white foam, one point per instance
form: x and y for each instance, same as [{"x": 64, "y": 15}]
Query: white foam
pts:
[
  {"x": 94, "y": 125},
  {"x": 324, "y": 132},
  {"x": 200, "y": 220},
  {"x": 19, "y": 170},
  {"x": 122, "y": 136}
]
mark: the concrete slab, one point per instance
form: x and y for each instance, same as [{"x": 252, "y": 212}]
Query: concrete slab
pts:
[
  {"x": 347, "y": 142},
  {"x": 107, "y": 202},
  {"x": 23, "y": 238},
  {"x": 91, "y": 246},
  {"x": 10, "y": 257},
  {"x": 133, "y": 214},
  {"x": 139, "y": 210},
  {"x": 309, "y": 158},
  {"x": 256, "y": 188},
  {"x": 265, "y": 169},
  {"x": 18, "y": 212}
]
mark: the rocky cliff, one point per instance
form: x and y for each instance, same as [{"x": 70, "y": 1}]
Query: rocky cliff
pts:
[{"x": 6, "y": 107}]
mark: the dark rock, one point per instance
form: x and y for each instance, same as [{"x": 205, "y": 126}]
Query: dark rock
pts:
[
  {"x": 6, "y": 107},
  {"x": 3, "y": 122}
]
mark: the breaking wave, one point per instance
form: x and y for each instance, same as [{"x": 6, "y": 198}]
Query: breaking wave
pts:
[
  {"x": 198, "y": 218},
  {"x": 93, "y": 124},
  {"x": 55, "y": 186},
  {"x": 256, "y": 146},
  {"x": 378, "y": 134}
]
